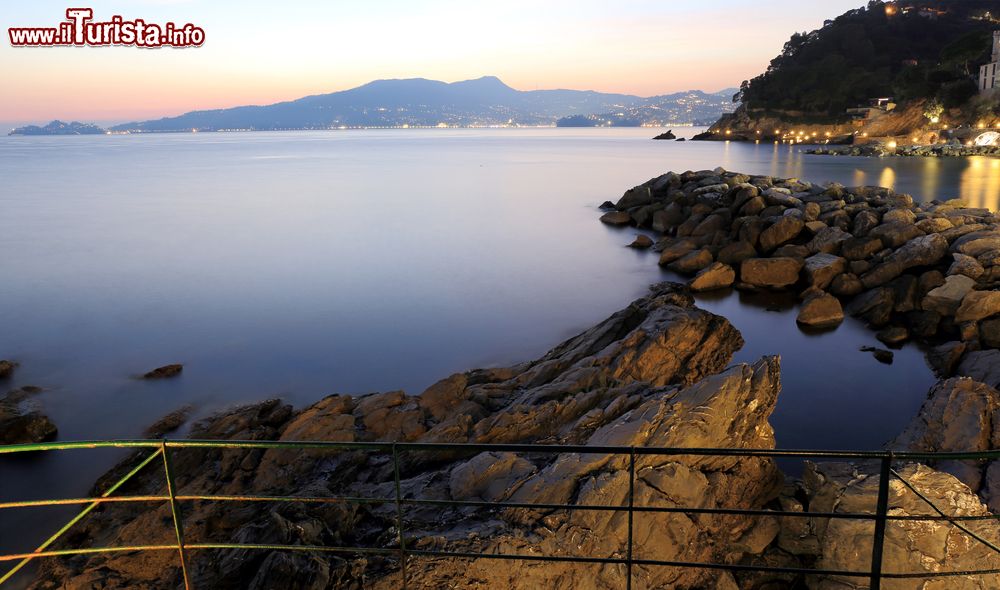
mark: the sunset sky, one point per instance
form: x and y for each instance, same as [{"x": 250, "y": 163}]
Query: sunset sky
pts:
[{"x": 259, "y": 52}]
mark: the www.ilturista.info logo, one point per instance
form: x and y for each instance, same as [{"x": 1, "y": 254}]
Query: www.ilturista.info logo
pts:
[{"x": 79, "y": 30}]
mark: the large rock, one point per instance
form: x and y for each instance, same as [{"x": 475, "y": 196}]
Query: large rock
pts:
[
  {"x": 692, "y": 262},
  {"x": 821, "y": 311},
  {"x": 894, "y": 235},
  {"x": 828, "y": 240},
  {"x": 875, "y": 306},
  {"x": 821, "y": 269},
  {"x": 782, "y": 231},
  {"x": 676, "y": 250},
  {"x": 977, "y": 243},
  {"x": 947, "y": 298},
  {"x": 910, "y": 546},
  {"x": 978, "y": 305},
  {"x": 921, "y": 251},
  {"x": 716, "y": 276},
  {"x": 616, "y": 218},
  {"x": 7, "y": 368},
  {"x": 773, "y": 273},
  {"x": 635, "y": 197},
  {"x": 20, "y": 419},
  {"x": 958, "y": 416},
  {"x": 647, "y": 376}
]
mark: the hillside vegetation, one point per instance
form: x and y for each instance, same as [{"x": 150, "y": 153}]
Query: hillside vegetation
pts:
[{"x": 900, "y": 49}]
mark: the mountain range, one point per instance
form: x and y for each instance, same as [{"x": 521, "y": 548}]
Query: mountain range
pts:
[{"x": 418, "y": 102}]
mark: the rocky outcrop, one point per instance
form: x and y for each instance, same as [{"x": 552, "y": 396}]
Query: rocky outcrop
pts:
[
  {"x": 7, "y": 368},
  {"x": 926, "y": 272},
  {"x": 647, "y": 376},
  {"x": 21, "y": 420},
  {"x": 165, "y": 372}
]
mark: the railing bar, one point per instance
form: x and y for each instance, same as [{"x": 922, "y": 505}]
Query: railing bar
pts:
[
  {"x": 631, "y": 506},
  {"x": 881, "y": 510},
  {"x": 78, "y": 517},
  {"x": 178, "y": 527},
  {"x": 399, "y": 515},
  {"x": 73, "y": 501}
]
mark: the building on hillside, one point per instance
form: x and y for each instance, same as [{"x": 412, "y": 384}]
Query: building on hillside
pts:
[{"x": 988, "y": 83}]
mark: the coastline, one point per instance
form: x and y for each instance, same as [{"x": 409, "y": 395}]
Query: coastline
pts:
[{"x": 592, "y": 389}]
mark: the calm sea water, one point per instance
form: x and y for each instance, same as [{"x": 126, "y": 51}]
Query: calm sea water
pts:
[{"x": 304, "y": 264}]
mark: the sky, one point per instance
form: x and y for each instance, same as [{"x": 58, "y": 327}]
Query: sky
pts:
[{"x": 260, "y": 51}]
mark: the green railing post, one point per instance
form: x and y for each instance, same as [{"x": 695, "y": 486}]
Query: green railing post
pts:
[
  {"x": 631, "y": 505},
  {"x": 399, "y": 515},
  {"x": 178, "y": 527},
  {"x": 881, "y": 511}
]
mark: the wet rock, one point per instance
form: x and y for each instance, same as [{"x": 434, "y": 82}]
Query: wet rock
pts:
[
  {"x": 947, "y": 298},
  {"x": 641, "y": 242},
  {"x": 782, "y": 231},
  {"x": 675, "y": 251},
  {"x": 715, "y": 276},
  {"x": 634, "y": 197},
  {"x": 881, "y": 355},
  {"x": 821, "y": 310},
  {"x": 169, "y": 423},
  {"x": 616, "y": 218},
  {"x": 978, "y": 305},
  {"x": 893, "y": 336},
  {"x": 20, "y": 421},
  {"x": 773, "y": 273},
  {"x": 165, "y": 372},
  {"x": 692, "y": 262},
  {"x": 821, "y": 269},
  {"x": 7, "y": 369}
]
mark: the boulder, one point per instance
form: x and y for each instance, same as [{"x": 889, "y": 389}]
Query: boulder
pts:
[
  {"x": 675, "y": 251},
  {"x": 692, "y": 262},
  {"x": 864, "y": 222},
  {"x": 893, "y": 336},
  {"x": 910, "y": 546},
  {"x": 989, "y": 333},
  {"x": 641, "y": 242},
  {"x": 773, "y": 273},
  {"x": 978, "y": 305},
  {"x": 966, "y": 265},
  {"x": 791, "y": 251},
  {"x": 874, "y": 306},
  {"x": 670, "y": 216},
  {"x": 782, "y": 231},
  {"x": 829, "y": 240},
  {"x": 20, "y": 421},
  {"x": 168, "y": 423},
  {"x": 920, "y": 251},
  {"x": 846, "y": 285},
  {"x": 735, "y": 253},
  {"x": 821, "y": 269},
  {"x": 880, "y": 354},
  {"x": 977, "y": 243},
  {"x": 860, "y": 248},
  {"x": 899, "y": 216},
  {"x": 7, "y": 368},
  {"x": 634, "y": 197},
  {"x": 894, "y": 235},
  {"x": 715, "y": 276},
  {"x": 934, "y": 225},
  {"x": 820, "y": 310},
  {"x": 947, "y": 298},
  {"x": 165, "y": 372},
  {"x": 616, "y": 218}
]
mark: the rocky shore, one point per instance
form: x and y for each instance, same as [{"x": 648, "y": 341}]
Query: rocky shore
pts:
[
  {"x": 655, "y": 374},
  {"x": 881, "y": 150}
]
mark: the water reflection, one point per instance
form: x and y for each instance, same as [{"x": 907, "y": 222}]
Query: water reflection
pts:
[{"x": 980, "y": 186}]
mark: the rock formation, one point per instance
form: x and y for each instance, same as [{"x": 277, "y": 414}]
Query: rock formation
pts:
[{"x": 647, "y": 376}]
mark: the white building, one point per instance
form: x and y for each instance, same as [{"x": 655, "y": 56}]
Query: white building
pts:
[{"x": 988, "y": 82}]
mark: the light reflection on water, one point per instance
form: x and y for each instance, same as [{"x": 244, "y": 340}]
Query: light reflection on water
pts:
[{"x": 302, "y": 264}]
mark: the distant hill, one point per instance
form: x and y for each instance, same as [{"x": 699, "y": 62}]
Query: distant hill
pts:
[
  {"x": 909, "y": 49},
  {"x": 428, "y": 103},
  {"x": 60, "y": 128}
]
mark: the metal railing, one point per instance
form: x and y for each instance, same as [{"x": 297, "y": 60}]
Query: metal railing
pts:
[{"x": 162, "y": 449}]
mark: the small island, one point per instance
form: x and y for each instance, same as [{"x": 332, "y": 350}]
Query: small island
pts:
[{"x": 60, "y": 128}]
